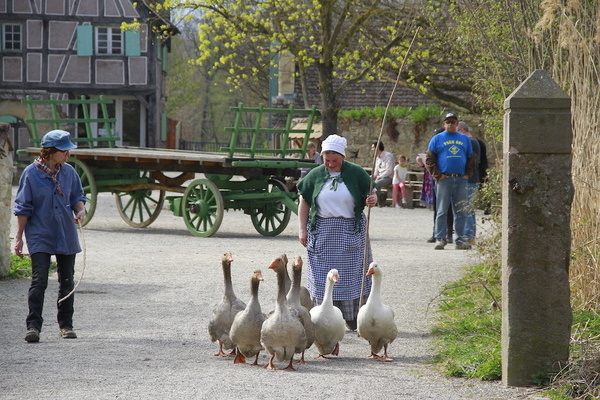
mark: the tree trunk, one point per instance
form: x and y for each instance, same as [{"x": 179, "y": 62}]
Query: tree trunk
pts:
[{"x": 329, "y": 102}]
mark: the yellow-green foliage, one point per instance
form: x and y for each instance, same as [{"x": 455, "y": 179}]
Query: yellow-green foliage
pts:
[{"x": 355, "y": 39}]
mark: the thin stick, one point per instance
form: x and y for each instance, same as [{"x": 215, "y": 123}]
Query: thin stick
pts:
[
  {"x": 82, "y": 269},
  {"x": 371, "y": 190}
]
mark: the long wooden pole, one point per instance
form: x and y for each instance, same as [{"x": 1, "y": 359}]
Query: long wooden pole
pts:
[{"x": 371, "y": 190}]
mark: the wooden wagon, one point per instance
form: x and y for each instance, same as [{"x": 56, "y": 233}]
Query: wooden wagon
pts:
[{"x": 249, "y": 178}]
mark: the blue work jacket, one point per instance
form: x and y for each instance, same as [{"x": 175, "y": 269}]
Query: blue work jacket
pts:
[{"x": 50, "y": 227}]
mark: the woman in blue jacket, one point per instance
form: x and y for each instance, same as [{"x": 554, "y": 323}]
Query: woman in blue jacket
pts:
[{"x": 49, "y": 200}]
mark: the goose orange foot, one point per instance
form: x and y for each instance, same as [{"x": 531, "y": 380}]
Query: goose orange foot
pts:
[
  {"x": 270, "y": 364},
  {"x": 222, "y": 353},
  {"x": 239, "y": 358}
]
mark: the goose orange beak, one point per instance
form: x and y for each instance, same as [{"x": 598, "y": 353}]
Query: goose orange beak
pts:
[{"x": 275, "y": 263}]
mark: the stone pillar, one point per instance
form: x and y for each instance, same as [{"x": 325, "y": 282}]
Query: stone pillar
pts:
[
  {"x": 536, "y": 207},
  {"x": 6, "y": 177}
]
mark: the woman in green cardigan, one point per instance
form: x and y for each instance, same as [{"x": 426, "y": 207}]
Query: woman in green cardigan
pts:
[{"x": 333, "y": 226}]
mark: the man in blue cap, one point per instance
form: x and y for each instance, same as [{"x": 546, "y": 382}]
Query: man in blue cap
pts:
[
  {"x": 49, "y": 199},
  {"x": 451, "y": 161}
]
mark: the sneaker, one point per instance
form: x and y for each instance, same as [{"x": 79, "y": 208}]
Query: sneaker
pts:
[
  {"x": 449, "y": 239},
  {"x": 461, "y": 245},
  {"x": 67, "y": 333},
  {"x": 398, "y": 206},
  {"x": 32, "y": 335},
  {"x": 431, "y": 239},
  {"x": 404, "y": 201},
  {"x": 440, "y": 244}
]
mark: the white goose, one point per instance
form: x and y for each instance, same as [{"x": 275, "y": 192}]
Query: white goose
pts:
[
  {"x": 245, "y": 330},
  {"x": 293, "y": 299},
  {"x": 225, "y": 311},
  {"x": 282, "y": 334},
  {"x": 329, "y": 321},
  {"x": 375, "y": 319}
]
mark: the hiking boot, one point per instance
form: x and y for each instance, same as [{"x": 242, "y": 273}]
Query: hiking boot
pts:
[
  {"x": 32, "y": 335},
  {"x": 67, "y": 333},
  {"x": 461, "y": 245},
  {"x": 440, "y": 244}
]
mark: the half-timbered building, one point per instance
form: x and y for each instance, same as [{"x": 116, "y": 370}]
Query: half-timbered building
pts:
[{"x": 73, "y": 48}]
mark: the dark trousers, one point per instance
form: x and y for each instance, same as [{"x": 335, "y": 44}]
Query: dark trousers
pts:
[{"x": 40, "y": 268}]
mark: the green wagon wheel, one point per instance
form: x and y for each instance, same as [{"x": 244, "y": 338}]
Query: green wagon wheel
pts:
[
  {"x": 273, "y": 217},
  {"x": 202, "y": 208},
  {"x": 139, "y": 208},
  {"x": 89, "y": 188}
]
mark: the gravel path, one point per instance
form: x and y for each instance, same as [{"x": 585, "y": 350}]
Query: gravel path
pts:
[{"x": 144, "y": 303}]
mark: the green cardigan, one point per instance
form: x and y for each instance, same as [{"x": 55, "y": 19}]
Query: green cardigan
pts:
[{"x": 356, "y": 179}]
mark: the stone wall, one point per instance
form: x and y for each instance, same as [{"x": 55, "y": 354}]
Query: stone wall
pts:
[{"x": 6, "y": 176}]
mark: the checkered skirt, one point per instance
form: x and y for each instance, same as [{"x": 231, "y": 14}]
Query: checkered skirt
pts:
[{"x": 335, "y": 243}]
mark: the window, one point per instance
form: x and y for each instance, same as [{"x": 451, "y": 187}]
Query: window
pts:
[
  {"x": 11, "y": 37},
  {"x": 109, "y": 41}
]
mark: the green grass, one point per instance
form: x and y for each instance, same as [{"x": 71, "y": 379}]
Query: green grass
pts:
[
  {"x": 467, "y": 337},
  {"x": 19, "y": 267},
  {"x": 467, "y": 331}
]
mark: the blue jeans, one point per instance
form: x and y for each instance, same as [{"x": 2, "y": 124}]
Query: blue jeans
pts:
[
  {"x": 451, "y": 192},
  {"x": 40, "y": 268},
  {"x": 471, "y": 227}
]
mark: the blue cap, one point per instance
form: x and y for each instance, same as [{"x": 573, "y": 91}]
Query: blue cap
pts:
[{"x": 59, "y": 139}]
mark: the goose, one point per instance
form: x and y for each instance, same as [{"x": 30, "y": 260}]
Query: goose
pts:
[
  {"x": 286, "y": 276},
  {"x": 293, "y": 299},
  {"x": 305, "y": 297},
  {"x": 282, "y": 334},
  {"x": 329, "y": 321},
  {"x": 245, "y": 329},
  {"x": 225, "y": 311},
  {"x": 375, "y": 319}
]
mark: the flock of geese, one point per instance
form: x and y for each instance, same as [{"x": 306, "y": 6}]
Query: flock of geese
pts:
[{"x": 295, "y": 324}]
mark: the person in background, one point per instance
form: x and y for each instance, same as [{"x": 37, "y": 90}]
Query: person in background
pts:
[
  {"x": 450, "y": 160},
  {"x": 398, "y": 185},
  {"x": 428, "y": 198},
  {"x": 311, "y": 154},
  {"x": 384, "y": 169},
  {"x": 472, "y": 185},
  {"x": 332, "y": 227},
  {"x": 48, "y": 203}
]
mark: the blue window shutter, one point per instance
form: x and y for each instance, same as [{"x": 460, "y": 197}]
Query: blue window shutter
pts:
[
  {"x": 85, "y": 40},
  {"x": 132, "y": 43}
]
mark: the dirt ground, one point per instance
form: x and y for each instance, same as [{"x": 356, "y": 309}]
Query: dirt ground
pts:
[{"x": 143, "y": 306}]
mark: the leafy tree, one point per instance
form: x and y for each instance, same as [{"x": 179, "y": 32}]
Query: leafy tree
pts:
[
  {"x": 346, "y": 42},
  {"x": 488, "y": 46},
  {"x": 198, "y": 96}
]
